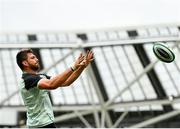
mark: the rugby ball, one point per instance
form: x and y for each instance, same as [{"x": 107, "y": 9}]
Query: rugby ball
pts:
[{"x": 163, "y": 52}]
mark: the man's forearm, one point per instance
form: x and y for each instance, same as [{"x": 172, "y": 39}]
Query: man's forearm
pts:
[
  {"x": 73, "y": 76},
  {"x": 61, "y": 78},
  {"x": 68, "y": 76}
]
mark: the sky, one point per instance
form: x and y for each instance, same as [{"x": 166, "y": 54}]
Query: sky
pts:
[{"x": 67, "y": 15}]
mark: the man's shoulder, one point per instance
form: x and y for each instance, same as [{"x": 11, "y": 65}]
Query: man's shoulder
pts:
[
  {"x": 30, "y": 80},
  {"x": 28, "y": 75}
]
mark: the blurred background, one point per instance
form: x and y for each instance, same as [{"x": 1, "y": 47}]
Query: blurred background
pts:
[{"x": 125, "y": 86}]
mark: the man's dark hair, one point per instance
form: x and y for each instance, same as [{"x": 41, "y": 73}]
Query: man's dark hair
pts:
[{"x": 21, "y": 56}]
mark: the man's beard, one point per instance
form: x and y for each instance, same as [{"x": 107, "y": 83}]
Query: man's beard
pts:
[{"x": 34, "y": 67}]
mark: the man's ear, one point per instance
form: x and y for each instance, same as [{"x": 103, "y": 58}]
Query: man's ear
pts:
[{"x": 25, "y": 63}]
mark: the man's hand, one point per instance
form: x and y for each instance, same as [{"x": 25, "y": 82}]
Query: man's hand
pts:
[
  {"x": 77, "y": 63},
  {"x": 88, "y": 58},
  {"x": 83, "y": 61}
]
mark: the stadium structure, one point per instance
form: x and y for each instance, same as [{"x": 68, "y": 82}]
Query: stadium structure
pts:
[{"x": 125, "y": 85}]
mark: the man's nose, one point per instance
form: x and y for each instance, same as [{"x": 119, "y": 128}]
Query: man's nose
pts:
[{"x": 37, "y": 60}]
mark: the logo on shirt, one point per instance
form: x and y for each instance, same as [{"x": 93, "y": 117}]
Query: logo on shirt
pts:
[{"x": 42, "y": 76}]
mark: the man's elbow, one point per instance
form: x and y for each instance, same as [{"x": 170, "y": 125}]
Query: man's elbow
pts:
[
  {"x": 66, "y": 84},
  {"x": 52, "y": 88},
  {"x": 47, "y": 86}
]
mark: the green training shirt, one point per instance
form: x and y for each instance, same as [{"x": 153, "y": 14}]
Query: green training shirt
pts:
[{"x": 37, "y": 101}]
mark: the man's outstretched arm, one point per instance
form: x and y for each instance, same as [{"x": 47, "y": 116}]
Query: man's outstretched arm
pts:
[
  {"x": 68, "y": 76},
  {"x": 59, "y": 79}
]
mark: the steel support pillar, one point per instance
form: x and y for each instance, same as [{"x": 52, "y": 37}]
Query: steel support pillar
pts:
[{"x": 152, "y": 75}]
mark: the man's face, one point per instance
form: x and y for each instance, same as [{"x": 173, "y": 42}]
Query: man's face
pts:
[{"x": 33, "y": 62}]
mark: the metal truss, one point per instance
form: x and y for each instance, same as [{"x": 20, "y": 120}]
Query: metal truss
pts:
[
  {"x": 157, "y": 119},
  {"x": 79, "y": 111},
  {"x": 48, "y": 45},
  {"x": 103, "y": 107}
]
